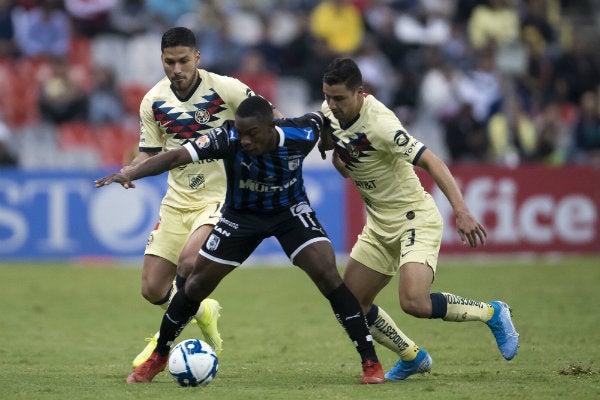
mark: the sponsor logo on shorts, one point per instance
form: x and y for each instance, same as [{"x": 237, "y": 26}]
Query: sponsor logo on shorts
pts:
[
  {"x": 228, "y": 223},
  {"x": 319, "y": 229},
  {"x": 213, "y": 242},
  {"x": 222, "y": 231}
]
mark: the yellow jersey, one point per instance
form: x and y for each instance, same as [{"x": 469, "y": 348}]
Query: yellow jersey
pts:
[
  {"x": 379, "y": 156},
  {"x": 167, "y": 121}
]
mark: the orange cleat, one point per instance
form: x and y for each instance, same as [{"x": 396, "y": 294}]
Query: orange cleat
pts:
[
  {"x": 372, "y": 372},
  {"x": 146, "y": 371}
]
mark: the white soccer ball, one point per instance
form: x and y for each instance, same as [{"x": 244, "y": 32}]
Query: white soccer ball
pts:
[{"x": 193, "y": 363}]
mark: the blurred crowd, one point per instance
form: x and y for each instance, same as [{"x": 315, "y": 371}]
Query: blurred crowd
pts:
[{"x": 496, "y": 81}]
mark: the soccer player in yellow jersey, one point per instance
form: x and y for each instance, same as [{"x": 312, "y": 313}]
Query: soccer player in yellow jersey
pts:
[
  {"x": 403, "y": 231},
  {"x": 184, "y": 105}
]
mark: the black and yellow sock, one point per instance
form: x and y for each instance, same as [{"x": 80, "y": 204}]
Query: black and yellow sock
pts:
[
  {"x": 385, "y": 332},
  {"x": 451, "y": 307}
]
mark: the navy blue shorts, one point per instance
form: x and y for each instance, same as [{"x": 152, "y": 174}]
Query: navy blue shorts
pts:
[{"x": 238, "y": 234}]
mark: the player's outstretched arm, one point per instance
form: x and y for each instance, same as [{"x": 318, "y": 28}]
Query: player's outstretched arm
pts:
[
  {"x": 469, "y": 229},
  {"x": 151, "y": 166}
]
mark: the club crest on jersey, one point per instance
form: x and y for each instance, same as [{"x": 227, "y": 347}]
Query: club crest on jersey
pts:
[
  {"x": 196, "y": 181},
  {"x": 293, "y": 163},
  {"x": 213, "y": 242},
  {"x": 202, "y": 116},
  {"x": 352, "y": 150}
]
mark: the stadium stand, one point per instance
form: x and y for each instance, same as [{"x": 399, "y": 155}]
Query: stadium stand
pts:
[{"x": 554, "y": 40}]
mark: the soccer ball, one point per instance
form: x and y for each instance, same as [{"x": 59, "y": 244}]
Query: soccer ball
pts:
[{"x": 193, "y": 363}]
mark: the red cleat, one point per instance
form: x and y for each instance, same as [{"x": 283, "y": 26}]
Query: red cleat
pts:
[
  {"x": 372, "y": 372},
  {"x": 147, "y": 370}
]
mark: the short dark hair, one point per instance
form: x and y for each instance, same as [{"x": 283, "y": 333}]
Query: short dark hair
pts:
[
  {"x": 178, "y": 36},
  {"x": 343, "y": 70},
  {"x": 255, "y": 106}
]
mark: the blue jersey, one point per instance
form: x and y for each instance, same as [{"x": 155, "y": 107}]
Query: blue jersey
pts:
[{"x": 272, "y": 181}]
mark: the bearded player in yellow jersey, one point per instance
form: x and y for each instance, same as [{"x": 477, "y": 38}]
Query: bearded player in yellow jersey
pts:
[
  {"x": 184, "y": 105},
  {"x": 403, "y": 231}
]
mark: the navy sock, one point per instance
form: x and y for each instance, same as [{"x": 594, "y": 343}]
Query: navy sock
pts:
[
  {"x": 372, "y": 315},
  {"x": 179, "y": 281},
  {"x": 439, "y": 305}
]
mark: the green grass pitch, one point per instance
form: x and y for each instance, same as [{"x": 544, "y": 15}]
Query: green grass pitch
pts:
[{"x": 70, "y": 332}]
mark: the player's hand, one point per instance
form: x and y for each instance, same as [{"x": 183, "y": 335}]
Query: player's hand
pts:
[
  {"x": 470, "y": 230},
  {"x": 323, "y": 147},
  {"x": 326, "y": 141},
  {"x": 121, "y": 178},
  {"x": 126, "y": 169}
]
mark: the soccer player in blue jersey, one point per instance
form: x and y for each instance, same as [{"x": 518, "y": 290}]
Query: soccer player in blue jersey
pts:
[
  {"x": 186, "y": 103},
  {"x": 265, "y": 197},
  {"x": 403, "y": 231}
]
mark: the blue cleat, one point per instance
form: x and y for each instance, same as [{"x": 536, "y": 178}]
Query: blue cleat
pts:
[
  {"x": 503, "y": 329},
  {"x": 404, "y": 369}
]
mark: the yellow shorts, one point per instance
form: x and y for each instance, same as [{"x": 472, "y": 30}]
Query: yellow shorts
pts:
[
  {"x": 418, "y": 240},
  {"x": 175, "y": 227}
]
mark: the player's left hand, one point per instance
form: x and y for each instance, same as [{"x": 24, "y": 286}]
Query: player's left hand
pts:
[
  {"x": 121, "y": 178},
  {"x": 470, "y": 230}
]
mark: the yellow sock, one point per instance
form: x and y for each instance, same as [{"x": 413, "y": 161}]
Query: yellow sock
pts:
[
  {"x": 386, "y": 333},
  {"x": 460, "y": 309}
]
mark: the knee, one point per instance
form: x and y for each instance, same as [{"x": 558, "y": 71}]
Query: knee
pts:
[
  {"x": 155, "y": 290},
  {"x": 416, "y": 306},
  {"x": 199, "y": 287},
  {"x": 192, "y": 284},
  {"x": 154, "y": 294},
  {"x": 328, "y": 280}
]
